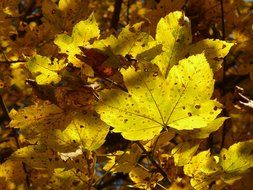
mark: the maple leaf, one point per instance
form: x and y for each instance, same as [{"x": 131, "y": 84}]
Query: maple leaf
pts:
[
  {"x": 82, "y": 32},
  {"x": 174, "y": 33},
  {"x": 236, "y": 160},
  {"x": 130, "y": 41},
  {"x": 38, "y": 119},
  {"x": 184, "y": 152},
  {"x": 123, "y": 161},
  {"x": 68, "y": 179},
  {"x": 204, "y": 169},
  {"x": 85, "y": 130},
  {"x": 58, "y": 129},
  {"x": 38, "y": 157},
  {"x": 44, "y": 69},
  {"x": 11, "y": 174},
  {"x": 182, "y": 101},
  {"x": 144, "y": 179}
]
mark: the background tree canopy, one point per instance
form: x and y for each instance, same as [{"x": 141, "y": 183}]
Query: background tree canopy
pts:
[{"x": 126, "y": 94}]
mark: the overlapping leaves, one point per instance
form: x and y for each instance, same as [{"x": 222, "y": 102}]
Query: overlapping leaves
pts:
[
  {"x": 182, "y": 101},
  {"x": 174, "y": 32},
  {"x": 64, "y": 132}
]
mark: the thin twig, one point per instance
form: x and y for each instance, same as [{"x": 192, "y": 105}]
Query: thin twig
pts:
[
  {"x": 16, "y": 61},
  {"x": 223, "y": 37},
  {"x": 224, "y": 65},
  {"x": 127, "y": 12},
  {"x": 153, "y": 161}
]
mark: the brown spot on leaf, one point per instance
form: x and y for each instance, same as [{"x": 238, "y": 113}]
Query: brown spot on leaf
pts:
[{"x": 197, "y": 106}]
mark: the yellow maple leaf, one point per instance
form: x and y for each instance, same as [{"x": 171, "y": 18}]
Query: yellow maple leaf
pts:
[
  {"x": 82, "y": 32},
  {"x": 182, "y": 101},
  {"x": 44, "y": 69}
]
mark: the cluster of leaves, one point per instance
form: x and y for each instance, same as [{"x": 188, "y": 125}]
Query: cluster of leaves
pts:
[{"x": 91, "y": 108}]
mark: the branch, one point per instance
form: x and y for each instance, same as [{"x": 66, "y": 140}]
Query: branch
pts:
[
  {"x": 17, "y": 61},
  {"x": 154, "y": 162},
  {"x": 116, "y": 14}
]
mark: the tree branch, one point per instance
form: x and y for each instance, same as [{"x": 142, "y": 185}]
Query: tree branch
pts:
[
  {"x": 116, "y": 14},
  {"x": 154, "y": 162}
]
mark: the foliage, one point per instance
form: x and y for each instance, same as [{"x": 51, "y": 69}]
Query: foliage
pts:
[{"x": 136, "y": 94}]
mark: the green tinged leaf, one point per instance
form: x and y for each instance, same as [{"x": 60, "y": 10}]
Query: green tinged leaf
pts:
[
  {"x": 36, "y": 158},
  {"x": 81, "y": 34},
  {"x": 204, "y": 132},
  {"x": 59, "y": 130},
  {"x": 123, "y": 161},
  {"x": 227, "y": 167},
  {"x": 144, "y": 179},
  {"x": 174, "y": 33},
  {"x": 36, "y": 120},
  {"x": 70, "y": 179},
  {"x": 86, "y": 131},
  {"x": 236, "y": 160},
  {"x": 204, "y": 169},
  {"x": 215, "y": 51},
  {"x": 131, "y": 41},
  {"x": 45, "y": 70},
  {"x": 184, "y": 152},
  {"x": 182, "y": 101}
]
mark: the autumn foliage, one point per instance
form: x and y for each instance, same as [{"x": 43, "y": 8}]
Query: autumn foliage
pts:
[{"x": 126, "y": 94}]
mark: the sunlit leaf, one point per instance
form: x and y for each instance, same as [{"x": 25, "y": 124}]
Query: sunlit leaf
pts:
[
  {"x": 144, "y": 179},
  {"x": 38, "y": 119},
  {"x": 81, "y": 34},
  {"x": 174, "y": 32},
  {"x": 183, "y": 152},
  {"x": 86, "y": 131},
  {"x": 123, "y": 161},
  {"x": 45, "y": 70},
  {"x": 236, "y": 160},
  {"x": 203, "y": 170},
  {"x": 182, "y": 101}
]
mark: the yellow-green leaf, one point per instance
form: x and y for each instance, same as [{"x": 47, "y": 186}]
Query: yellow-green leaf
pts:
[
  {"x": 81, "y": 34},
  {"x": 174, "y": 32},
  {"x": 36, "y": 120},
  {"x": 236, "y": 160},
  {"x": 132, "y": 41},
  {"x": 182, "y": 101},
  {"x": 183, "y": 152},
  {"x": 45, "y": 70},
  {"x": 144, "y": 179},
  {"x": 69, "y": 179},
  {"x": 123, "y": 161},
  {"x": 215, "y": 51},
  {"x": 38, "y": 158},
  {"x": 203, "y": 170},
  {"x": 86, "y": 131},
  {"x": 204, "y": 132}
]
